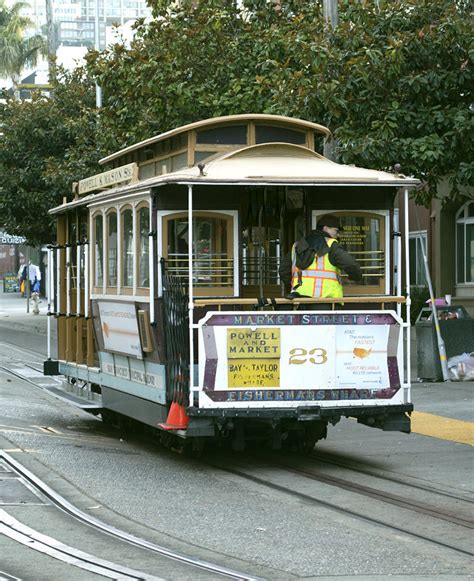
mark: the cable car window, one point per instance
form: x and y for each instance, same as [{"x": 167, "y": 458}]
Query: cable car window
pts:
[
  {"x": 212, "y": 252},
  {"x": 98, "y": 251},
  {"x": 143, "y": 248},
  {"x": 178, "y": 161},
  {"x": 263, "y": 225},
  {"x": 272, "y": 133},
  {"x": 201, "y": 155},
  {"x": 127, "y": 248},
  {"x": 72, "y": 239},
  {"x": 112, "y": 249},
  {"x": 363, "y": 237},
  {"x": 223, "y": 135}
]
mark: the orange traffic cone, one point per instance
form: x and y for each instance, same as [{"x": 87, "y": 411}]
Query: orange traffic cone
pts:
[{"x": 177, "y": 418}]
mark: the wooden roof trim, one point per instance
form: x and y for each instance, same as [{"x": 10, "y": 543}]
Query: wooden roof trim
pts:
[{"x": 296, "y": 123}]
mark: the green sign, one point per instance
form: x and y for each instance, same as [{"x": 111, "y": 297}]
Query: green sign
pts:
[{"x": 10, "y": 282}]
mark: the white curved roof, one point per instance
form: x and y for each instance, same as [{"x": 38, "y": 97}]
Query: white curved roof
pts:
[
  {"x": 267, "y": 163},
  {"x": 280, "y": 163},
  {"x": 291, "y": 122}
]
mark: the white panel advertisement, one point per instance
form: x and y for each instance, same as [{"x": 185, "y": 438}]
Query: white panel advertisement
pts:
[
  {"x": 119, "y": 327},
  {"x": 288, "y": 358}
]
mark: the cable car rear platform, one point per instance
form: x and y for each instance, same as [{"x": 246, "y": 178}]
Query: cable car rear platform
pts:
[
  {"x": 78, "y": 385},
  {"x": 386, "y": 417},
  {"x": 84, "y": 390}
]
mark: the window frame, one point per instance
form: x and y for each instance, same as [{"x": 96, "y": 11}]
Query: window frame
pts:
[
  {"x": 384, "y": 216},
  {"x": 94, "y": 216},
  {"x": 418, "y": 235},
  {"x": 142, "y": 205},
  {"x": 117, "y": 287},
  {"x": 126, "y": 289},
  {"x": 164, "y": 216},
  {"x": 463, "y": 219}
]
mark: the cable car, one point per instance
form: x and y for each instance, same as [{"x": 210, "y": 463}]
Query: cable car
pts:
[{"x": 164, "y": 284}]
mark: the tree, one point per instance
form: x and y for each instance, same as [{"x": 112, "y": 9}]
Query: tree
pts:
[
  {"x": 393, "y": 81},
  {"x": 404, "y": 80},
  {"x": 17, "y": 52},
  {"x": 46, "y": 144}
]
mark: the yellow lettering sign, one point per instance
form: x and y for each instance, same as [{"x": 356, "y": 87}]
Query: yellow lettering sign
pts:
[
  {"x": 254, "y": 373},
  {"x": 261, "y": 343}
]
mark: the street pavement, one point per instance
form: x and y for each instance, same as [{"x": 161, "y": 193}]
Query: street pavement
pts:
[{"x": 128, "y": 482}]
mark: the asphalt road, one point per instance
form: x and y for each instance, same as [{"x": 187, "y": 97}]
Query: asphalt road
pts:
[{"x": 186, "y": 504}]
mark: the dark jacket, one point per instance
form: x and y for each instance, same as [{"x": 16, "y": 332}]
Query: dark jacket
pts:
[{"x": 315, "y": 244}]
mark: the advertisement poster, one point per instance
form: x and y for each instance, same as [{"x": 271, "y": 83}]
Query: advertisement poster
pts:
[
  {"x": 119, "y": 327},
  {"x": 294, "y": 357},
  {"x": 10, "y": 282}
]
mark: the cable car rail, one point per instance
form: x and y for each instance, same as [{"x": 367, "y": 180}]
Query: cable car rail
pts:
[
  {"x": 272, "y": 478},
  {"x": 60, "y": 502}
]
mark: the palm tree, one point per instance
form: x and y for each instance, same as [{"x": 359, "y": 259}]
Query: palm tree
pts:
[{"x": 17, "y": 52}]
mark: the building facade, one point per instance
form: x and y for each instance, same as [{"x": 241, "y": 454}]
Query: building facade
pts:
[{"x": 446, "y": 231}]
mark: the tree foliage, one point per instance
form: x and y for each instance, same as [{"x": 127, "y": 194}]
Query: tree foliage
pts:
[
  {"x": 393, "y": 82},
  {"x": 46, "y": 144},
  {"x": 17, "y": 51}
]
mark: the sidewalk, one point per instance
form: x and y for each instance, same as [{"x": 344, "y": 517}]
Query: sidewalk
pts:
[{"x": 13, "y": 312}]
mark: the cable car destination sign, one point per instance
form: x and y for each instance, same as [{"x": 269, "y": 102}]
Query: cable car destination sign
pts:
[
  {"x": 285, "y": 359},
  {"x": 124, "y": 173}
]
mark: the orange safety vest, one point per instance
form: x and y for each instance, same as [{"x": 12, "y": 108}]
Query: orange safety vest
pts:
[{"x": 319, "y": 280}]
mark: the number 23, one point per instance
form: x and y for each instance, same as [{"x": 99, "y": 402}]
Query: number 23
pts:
[{"x": 299, "y": 356}]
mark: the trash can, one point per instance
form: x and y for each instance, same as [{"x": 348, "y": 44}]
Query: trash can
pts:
[{"x": 457, "y": 331}]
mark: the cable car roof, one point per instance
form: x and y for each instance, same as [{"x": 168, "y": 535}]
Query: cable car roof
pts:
[
  {"x": 264, "y": 164},
  {"x": 284, "y": 162},
  {"x": 290, "y": 122}
]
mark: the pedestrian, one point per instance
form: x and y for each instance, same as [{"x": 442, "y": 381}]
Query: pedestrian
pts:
[
  {"x": 22, "y": 276},
  {"x": 34, "y": 274},
  {"x": 313, "y": 267}
]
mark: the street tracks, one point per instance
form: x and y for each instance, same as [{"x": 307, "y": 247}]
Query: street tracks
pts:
[
  {"x": 189, "y": 567},
  {"x": 440, "y": 518}
]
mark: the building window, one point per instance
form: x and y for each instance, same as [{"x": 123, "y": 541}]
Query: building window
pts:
[
  {"x": 98, "y": 251},
  {"x": 143, "y": 247},
  {"x": 465, "y": 244},
  {"x": 127, "y": 248},
  {"x": 112, "y": 249},
  {"x": 417, "y": 263}
]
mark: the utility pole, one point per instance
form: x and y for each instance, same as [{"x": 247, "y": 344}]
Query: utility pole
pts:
[
  {"x": 51, "y": 35},
  {"x": 330, "y": 12},
  {"x": 98, "y": 90},
  {"x": 330, "y": 16}
]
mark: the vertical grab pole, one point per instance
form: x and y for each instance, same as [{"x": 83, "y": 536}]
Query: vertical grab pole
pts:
[
  {"x": 52, "y": 295},
  {"x": 190, "y": 292},
  {"x": 69, "y": 352},
  {"x": 407, "y": 283},
  {"x": 78, "y": 279},
  {"x": 48, "y": 299},
  {"x": 151, "y": 264},
  {"x": 399, "y": 260},
  {"x": 68, "y": 280},
  {"x": 79, "y": 326},
  {"x": 86, "y": 279},
  {"x": 58, "y": 281},
  {"x": 88, "y": 283}
]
